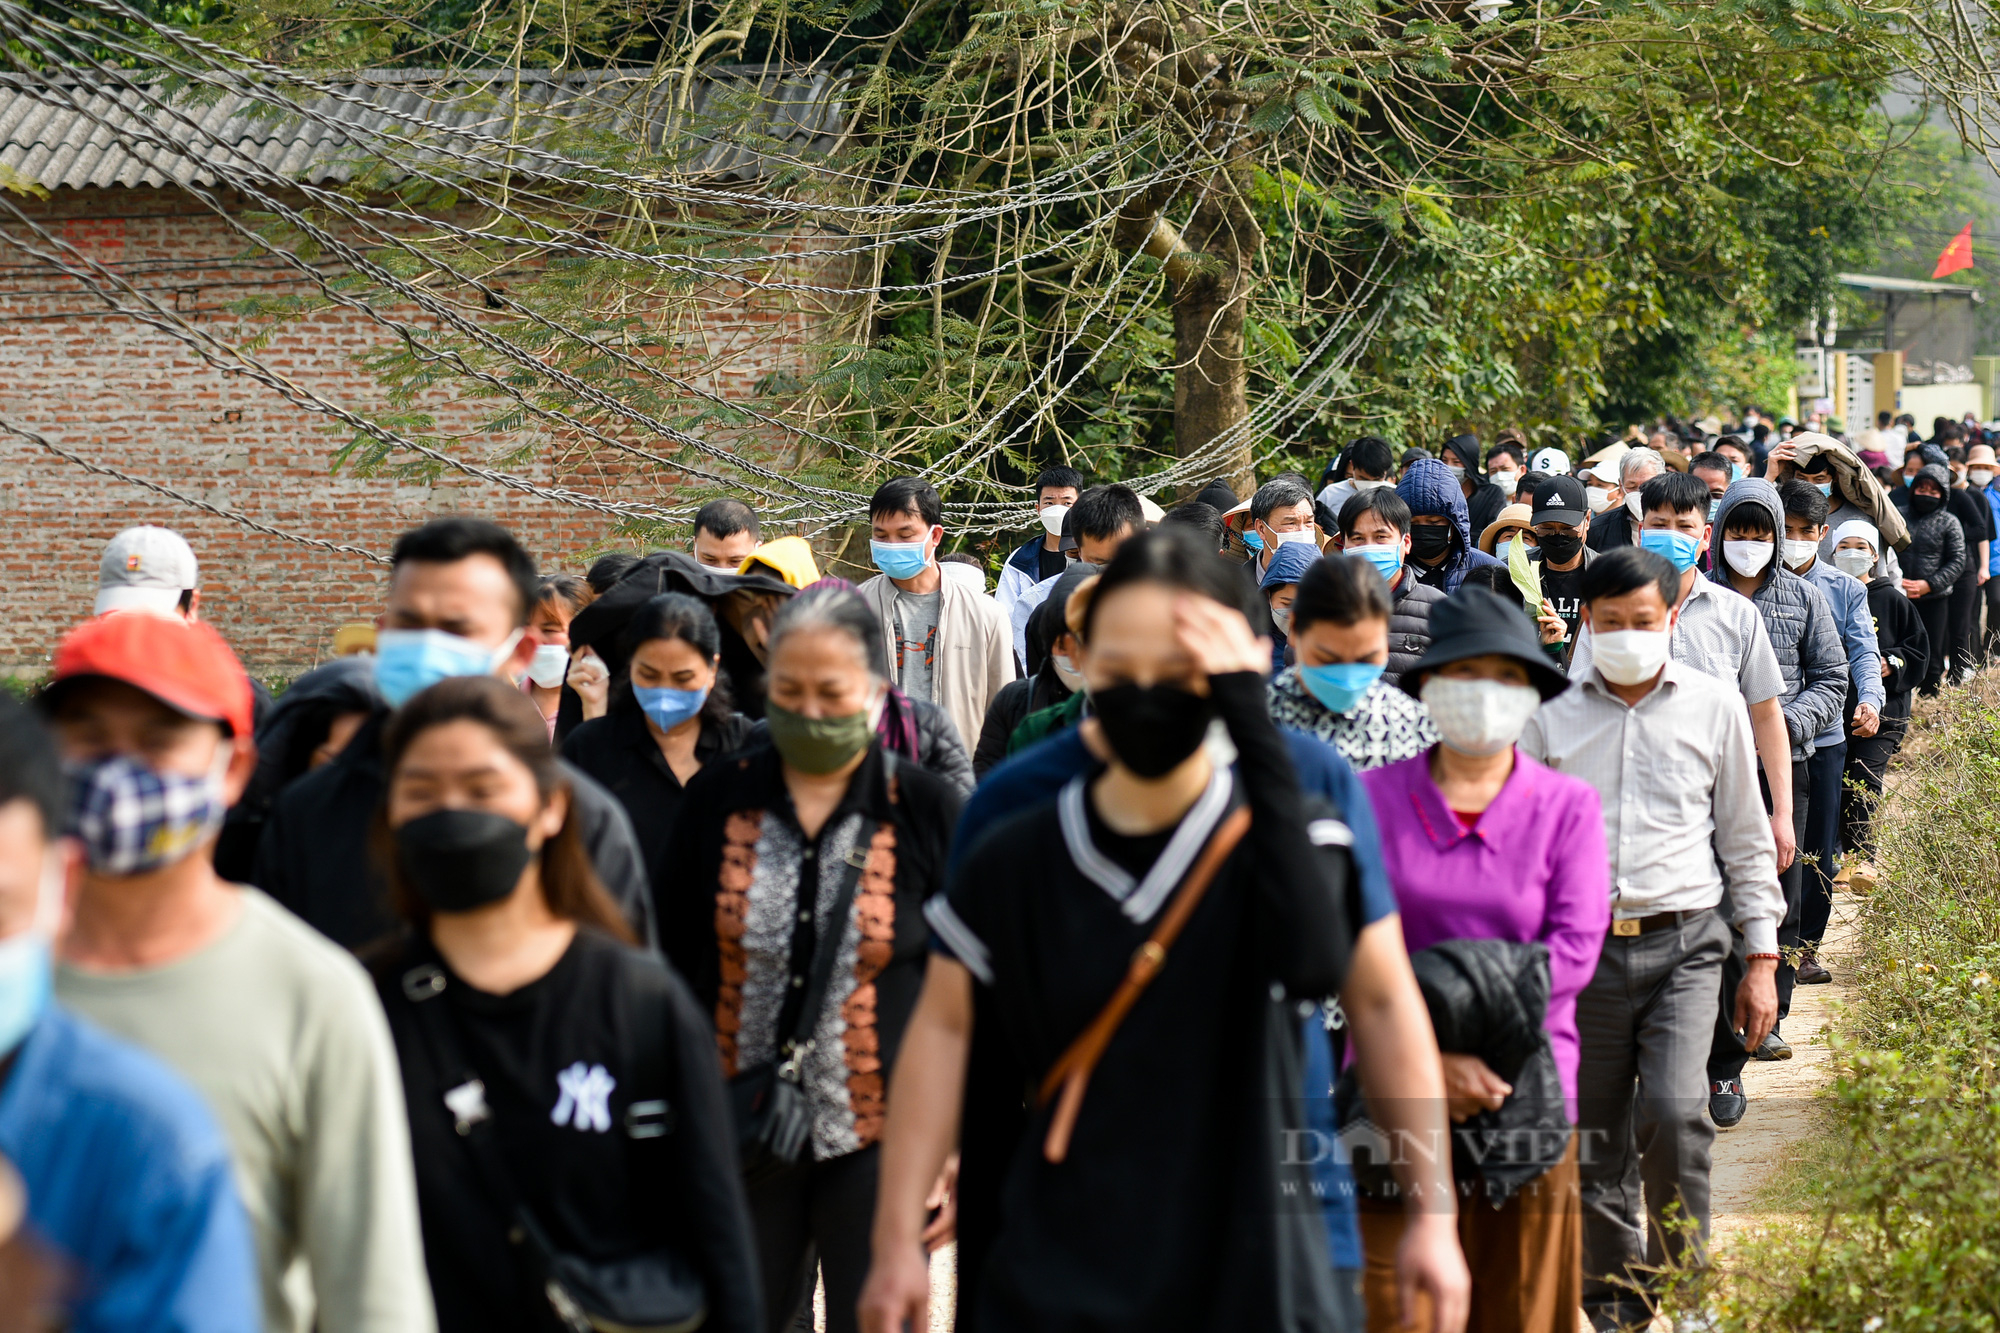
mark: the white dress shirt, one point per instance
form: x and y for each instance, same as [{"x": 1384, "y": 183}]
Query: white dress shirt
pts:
[
  {"x": 1677, "y": 776},
  {"x": 1720, "y": 633}
]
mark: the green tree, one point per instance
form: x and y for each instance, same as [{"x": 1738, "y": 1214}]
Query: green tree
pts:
[{"x": 1160, "y": 240}]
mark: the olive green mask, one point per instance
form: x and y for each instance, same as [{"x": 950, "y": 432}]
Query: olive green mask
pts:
[{"x": 817, "y": 744}]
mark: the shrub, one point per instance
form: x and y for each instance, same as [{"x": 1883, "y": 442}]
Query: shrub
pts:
[{"x": 1906, "y": 1227}]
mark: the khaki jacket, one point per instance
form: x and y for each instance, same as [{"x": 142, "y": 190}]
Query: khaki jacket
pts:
[
  {"x": 1851, "y": 482},
  {"x": 975, "y": 650}
]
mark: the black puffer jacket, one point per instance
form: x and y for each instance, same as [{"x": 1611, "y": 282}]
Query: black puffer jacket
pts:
[
  {"x": 1409, "y": 622},
  {"x": 939, "y": 748},
  {"x": 1937, "y": 542},
  {"x": 1487, "y": 998},
  {"x": 1490, "y": 998}
]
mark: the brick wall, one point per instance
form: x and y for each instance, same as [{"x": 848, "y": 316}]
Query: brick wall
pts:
[{"x": 130, "y": 397}]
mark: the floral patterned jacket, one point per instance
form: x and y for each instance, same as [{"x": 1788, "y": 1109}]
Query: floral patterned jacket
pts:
[{"x": 730, "y": 891}]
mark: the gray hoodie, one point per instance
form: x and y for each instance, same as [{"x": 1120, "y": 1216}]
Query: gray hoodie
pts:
[{"x": 1796, "y": 616}]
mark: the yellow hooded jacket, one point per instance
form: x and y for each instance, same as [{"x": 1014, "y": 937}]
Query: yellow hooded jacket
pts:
[{"x": 790, "y": 558}]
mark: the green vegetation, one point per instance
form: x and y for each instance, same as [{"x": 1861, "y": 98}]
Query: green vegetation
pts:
[
  {"x": 1902, "y": 1222},
  {"x": 1158, "y": 240}
]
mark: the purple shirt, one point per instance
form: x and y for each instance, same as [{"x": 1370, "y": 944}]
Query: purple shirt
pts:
[{"x": 1532, "y": 868}]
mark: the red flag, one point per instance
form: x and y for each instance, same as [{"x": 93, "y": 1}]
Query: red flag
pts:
[{"x": 1957, "y": 255}]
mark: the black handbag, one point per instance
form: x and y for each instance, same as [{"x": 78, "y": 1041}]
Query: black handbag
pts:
[
  {"x": 657, "y": 1291},
  {"x": 773, "y": 1120}
]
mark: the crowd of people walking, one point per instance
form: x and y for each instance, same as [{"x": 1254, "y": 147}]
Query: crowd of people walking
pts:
[{"x": 1346, "y": 906}]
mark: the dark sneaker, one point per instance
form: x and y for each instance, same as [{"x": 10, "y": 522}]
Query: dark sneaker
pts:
[
  {"x": 1810, "y": 971},
  {"x": 1773, "y": 1047},
  {"x": 1726, "y": 1103}
]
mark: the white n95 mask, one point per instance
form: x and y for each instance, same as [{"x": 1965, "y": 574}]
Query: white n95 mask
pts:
[
  {"x": 1479, "y": 717},
  {"x": 1748, "y": 558},
  {"x": 1630, "y": 656}
]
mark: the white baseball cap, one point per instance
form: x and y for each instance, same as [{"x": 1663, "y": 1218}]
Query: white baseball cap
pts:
[
  {"x": 1554, "y": 462},
  {"x": 145, "y": 569},
  {"x": 1603, "y": 465}
]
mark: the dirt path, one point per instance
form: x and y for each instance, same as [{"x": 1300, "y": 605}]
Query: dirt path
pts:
[{"x": 1783, "y": 1110}]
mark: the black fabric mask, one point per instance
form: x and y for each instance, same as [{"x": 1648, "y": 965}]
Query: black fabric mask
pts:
[
  {"x": 1559, "y": 548},
  {"x": 458, "y": 860},
  {"x": 1921, "y": 505},
  {"x": 1152, "y": 728},
  {"x": 1428, "y": 542}
]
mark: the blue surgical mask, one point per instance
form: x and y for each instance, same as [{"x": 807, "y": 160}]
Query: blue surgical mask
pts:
[
  {"x": 1736, "y": 472},
  {"x": 1675, "y": 546},
  {"x": 1340, "y": 686},
  {"x": 1713, "y": 507},
  {"x": 25, "y": 963},
  {"x": 409, "y": 661},
  {"x": 1252, "y": 540},
  {"x": 666, "y": 708},
  {"x": 24, "y": 984},
  {"x": 1825, "y": 488},
  {"x": 1387, "y": 557},
  {"x": 900, "y": 560}
]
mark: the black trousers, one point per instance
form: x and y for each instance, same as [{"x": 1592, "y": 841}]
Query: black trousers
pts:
[
  {"x": 1992, "y": 590},
  {"x": 1867, "y": 760},
  {"x": 1726, "y": 1056},
  {"x": 1822, "y": 842},
  {"x": 815, "y": 1216},
  {"x": 1935, "y": 612},
  {"x": 1963, "y": 622}
]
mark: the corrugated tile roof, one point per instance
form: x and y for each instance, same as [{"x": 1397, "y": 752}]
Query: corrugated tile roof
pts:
[{"x": 65, "y": 131}]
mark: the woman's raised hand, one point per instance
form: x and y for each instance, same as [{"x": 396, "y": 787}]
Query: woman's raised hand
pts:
[{"x": 1218, "y": 638}]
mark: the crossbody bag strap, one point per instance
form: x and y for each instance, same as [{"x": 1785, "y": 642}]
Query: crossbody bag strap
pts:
[
  {"x": 465, "y": 1093},
  {"x": 794, "y": 1043},
  {"x": 649, "y": 1115},
  {"x": 826, "y": 953},
  {"x": 1070, "y": 1074}
]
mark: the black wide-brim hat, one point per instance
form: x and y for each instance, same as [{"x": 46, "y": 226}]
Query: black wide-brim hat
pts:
[{"x": 1476, "y": 621}]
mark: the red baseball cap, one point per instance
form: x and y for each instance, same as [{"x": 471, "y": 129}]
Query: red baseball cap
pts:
[{"x": 182, "y": 663}]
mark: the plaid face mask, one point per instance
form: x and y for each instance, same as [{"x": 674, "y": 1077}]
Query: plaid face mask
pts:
[{"x": 132, "y": 819}]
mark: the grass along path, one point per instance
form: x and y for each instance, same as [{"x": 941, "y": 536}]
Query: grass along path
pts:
[{"x": 1754, "y": 1162}]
